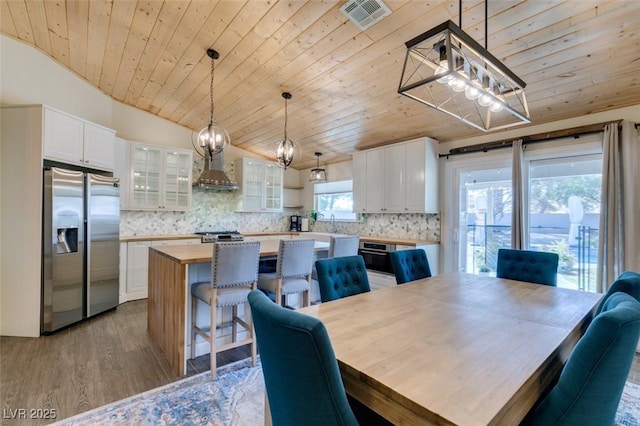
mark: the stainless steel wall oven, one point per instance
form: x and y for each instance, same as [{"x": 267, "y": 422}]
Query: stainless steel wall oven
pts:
[{"x": 376, "y": 256}]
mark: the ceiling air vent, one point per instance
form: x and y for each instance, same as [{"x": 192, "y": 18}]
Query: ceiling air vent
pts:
[{"x": 365, "y": 13}]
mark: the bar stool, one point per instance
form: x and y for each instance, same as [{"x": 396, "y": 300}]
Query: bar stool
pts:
[
  {"x": 293, "y": 271},
  {"x": 234, "y": 273}
]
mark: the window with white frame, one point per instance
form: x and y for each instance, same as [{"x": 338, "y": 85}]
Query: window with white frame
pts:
[{"x": 334, "y": 198}]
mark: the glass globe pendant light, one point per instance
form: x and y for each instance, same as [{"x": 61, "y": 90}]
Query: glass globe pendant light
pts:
[
  {"x": 286, "y": 148},
  {"x": 213, "y": 138},
  {"x": 318, "y": 174}
]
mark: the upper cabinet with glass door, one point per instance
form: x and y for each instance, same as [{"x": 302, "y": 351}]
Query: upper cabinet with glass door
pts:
[
  {"x": 160, "y": 178},
  {"x": 260, "y": 185}
]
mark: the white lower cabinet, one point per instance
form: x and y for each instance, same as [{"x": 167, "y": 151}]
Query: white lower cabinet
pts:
[
  {"x": 137, "y": 267},
  {"x": 378, "y": 280}
]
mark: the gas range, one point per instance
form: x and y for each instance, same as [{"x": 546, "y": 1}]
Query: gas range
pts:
[{"x": 215, "y": 236}]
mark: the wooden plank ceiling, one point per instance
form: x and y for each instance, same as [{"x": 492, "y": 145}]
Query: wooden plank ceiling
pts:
[{"x": 577, "y": 57}]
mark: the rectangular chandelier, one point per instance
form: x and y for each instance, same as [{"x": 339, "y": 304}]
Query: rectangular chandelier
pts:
[{"x": 448, "y": 70}]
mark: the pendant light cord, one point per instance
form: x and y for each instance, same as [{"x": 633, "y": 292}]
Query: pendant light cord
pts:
[
  {"x": 285, "y": 118},
  {"x": 486, "y": 25},
  {"x": 486, "y": 21},
  {"x": 211, "y": 91}
]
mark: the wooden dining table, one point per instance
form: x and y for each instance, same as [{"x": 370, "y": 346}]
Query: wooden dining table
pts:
[{"x": 455, "y": 349}]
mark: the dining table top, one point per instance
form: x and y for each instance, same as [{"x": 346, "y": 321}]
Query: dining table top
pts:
[{"x": 455, "y": 348}]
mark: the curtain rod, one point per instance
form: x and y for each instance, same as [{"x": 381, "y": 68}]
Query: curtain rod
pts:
[{"x": 574, "y": 132}]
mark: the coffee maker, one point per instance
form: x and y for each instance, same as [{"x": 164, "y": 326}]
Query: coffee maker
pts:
[{"x": 295, "y": 223}]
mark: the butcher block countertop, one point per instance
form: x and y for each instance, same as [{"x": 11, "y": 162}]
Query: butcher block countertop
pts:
[
  {"x": 200, "y": 253},
  {"x": 368, "y": 238},
  {"x": 400, "y": 241},
  {"x": 135, "y": 238}
]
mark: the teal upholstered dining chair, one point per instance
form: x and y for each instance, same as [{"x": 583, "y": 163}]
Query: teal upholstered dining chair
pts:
[
  {"x": 340, "y": 277},
  {"x": 531, "y": 266},
  {"x": 339, "y": 246},
  {"x": 591, "y": 383},
  {"x": 410, "y": 265},
  {"x": 301, "y": 374},
  {"x": 628, "y": 282},
  {"x": 234, "y": 273}
]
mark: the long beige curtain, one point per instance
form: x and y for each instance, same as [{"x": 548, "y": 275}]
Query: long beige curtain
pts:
[
  {"x": 619, "y": 234},
  {"x": 517, "y": 197}
]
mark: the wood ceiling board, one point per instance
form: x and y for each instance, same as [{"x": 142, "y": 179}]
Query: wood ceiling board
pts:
[{"x": 344, "y": 81}]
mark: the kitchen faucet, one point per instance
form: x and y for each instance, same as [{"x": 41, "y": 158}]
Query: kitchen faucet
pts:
[{"x": 333, "y": 223}]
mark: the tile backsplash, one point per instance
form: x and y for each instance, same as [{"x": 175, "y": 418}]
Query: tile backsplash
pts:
[
  {"x": 415, "y": 226},
  {"x": 215, "y": 211}
]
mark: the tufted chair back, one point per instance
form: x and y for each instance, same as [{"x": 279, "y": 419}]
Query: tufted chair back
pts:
[
  {"x": 628, "y": 282},
  {"x": 340, "y": 277},
  {"x": 410, "y": 265},
  {"x": 531, "y": 266},
  {"x": 593, "y": 378},
  {"x": 301, "y": 374}
]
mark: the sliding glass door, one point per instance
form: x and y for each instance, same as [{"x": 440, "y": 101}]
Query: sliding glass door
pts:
[
  {"x": 485, "y": 217},
  {"x": 564, "y": 215},
  {"x": 562, "y": 201}
]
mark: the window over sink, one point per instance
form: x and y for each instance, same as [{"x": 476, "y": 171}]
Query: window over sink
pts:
[{"x": 334, "y": 198}]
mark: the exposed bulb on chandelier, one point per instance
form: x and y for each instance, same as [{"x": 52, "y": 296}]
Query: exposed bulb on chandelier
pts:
[
  {"x": 471, "y": 92},
  {"x": 496, "y": 106},
  {"x": 213, "y": 138},
  {"x": 485, "y": 100},
  {"x": 457, "y": 85},
  {"x": 285, "y": 153}
]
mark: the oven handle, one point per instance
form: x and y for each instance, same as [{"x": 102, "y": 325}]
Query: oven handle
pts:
[{"x": 378, "y": 252}]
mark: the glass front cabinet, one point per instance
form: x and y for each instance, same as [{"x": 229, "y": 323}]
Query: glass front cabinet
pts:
[
  {"x": 260, "y": 185},
  {"x": 160, "y": 178}
]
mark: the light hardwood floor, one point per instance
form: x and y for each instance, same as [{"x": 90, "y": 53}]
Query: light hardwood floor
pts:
[{"x": 96, "y": 362}]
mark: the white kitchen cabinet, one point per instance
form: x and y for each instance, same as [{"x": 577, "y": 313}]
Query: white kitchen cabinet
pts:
[
  {"x": 160, "y": 178},
  {"x": 138, "y": 266},
  {"x": 379, "y": 280},
  {"x": 71, "y": 140},
  {"x": 260, "y": 185},
  {"x": 375, "y": 181},
  {"x": 421, "y": 176},
  {"x": 359, "y": 165},
  {"x": 393, "y": 186},
  {"x": 401, "y": 178},
  {"x": 137, "y": 269}
]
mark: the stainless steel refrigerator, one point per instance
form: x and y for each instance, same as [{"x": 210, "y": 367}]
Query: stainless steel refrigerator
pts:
[{"x": 81, "y": 248}]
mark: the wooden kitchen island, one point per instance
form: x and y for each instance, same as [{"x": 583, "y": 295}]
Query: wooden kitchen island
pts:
[{"x": 171, "y": 271}]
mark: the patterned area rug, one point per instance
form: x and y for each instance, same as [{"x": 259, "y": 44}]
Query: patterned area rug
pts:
[
  {"x": 629, "y": 408},
  {"x": 236, "y": 398}
]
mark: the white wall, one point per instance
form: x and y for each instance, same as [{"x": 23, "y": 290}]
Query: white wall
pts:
[{"x": 27, "y": 76}]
